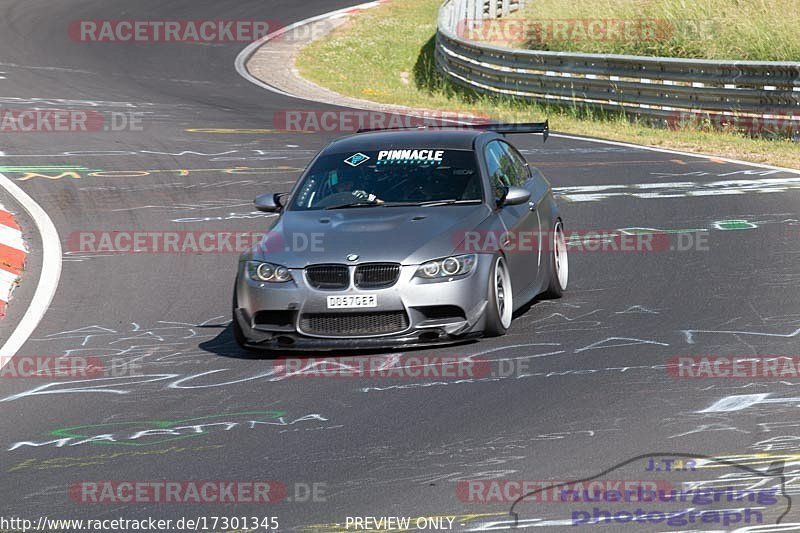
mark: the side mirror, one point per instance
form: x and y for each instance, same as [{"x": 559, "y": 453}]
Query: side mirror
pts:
[
  {"x": 516, "y": 196},
  {"x": 269, "y": 202}
]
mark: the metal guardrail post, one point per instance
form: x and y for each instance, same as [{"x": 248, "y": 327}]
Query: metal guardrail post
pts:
[{"x": 476, "y": 8}]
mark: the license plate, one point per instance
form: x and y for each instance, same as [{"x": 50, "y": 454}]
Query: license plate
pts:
[{"x": 352, "y": 301}]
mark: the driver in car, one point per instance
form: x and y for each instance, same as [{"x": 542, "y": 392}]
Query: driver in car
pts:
[{"x": 346, "y": 184}]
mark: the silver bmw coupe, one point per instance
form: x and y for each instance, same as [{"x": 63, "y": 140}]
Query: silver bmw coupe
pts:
[{"x": 399, "y": 238}]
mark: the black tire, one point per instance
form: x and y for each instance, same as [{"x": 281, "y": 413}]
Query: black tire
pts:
[
  {"x": 499, "y": 308},
  {"x": 559, "y": 251}
]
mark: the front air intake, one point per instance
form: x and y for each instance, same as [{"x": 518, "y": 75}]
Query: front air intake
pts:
[{"x": 328, "y": 277}]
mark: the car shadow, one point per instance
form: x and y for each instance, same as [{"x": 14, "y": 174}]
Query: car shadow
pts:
[
  {"x": 528, "y": 306},
  {"x": 224, "y": 345}
]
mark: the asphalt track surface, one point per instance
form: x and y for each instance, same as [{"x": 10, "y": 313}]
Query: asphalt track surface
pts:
[{"x": 591, "y": 397}]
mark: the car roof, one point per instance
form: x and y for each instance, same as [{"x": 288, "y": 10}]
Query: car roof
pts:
[{"x": 444, "y": 139}]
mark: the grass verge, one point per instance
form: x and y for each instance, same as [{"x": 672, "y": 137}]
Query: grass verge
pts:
[
  {"x": 385, "y": 54},
  {"x": 757, "y": 30}
]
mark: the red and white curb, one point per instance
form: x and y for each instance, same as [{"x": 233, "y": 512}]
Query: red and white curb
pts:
[
  {"x": 49, "y": 270},
  {"x": 12, "y": 257}
]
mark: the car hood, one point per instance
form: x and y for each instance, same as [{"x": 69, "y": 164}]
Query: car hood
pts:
[{"x": 376, "y": 234}]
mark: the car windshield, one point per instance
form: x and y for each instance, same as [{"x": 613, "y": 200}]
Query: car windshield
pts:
[{"x": 390, "y": 177}]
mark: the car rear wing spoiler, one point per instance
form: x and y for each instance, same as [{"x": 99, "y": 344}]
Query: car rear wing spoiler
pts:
[
  {"x": 503, "y": 129},
  {"x": 524, "y": 127}
]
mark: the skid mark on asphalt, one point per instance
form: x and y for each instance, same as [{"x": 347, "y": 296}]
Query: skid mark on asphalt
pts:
[
  {"x": 222, "y": 203},
  {"x": 136, "y": 353},
  {"x": 84, "y": 461},
  {"x": 692, "y": 333},
  {"x": 79, "y": 257},
  {"x": 130, "y": 174},
  {"x": 178, "y": 186},
  {"x": 682, "y": 189},
  {"x": 704, "y": 474},
  {"x": 638, "y": 310},
  {"x": 16, "y": 100},
  {"x": 245, "y": 131},
  {"x": 150, "y": 433},
  {"x": 736, "y": 223},
  {"x": 236, "y": 154},
  {"x": 133, "y": 353},
  {"x": 230, "y": 216},
  {"x": 617, "y": 342},
  {"x": 593, "y": 164},
  {"x": 552, "y": 150}
]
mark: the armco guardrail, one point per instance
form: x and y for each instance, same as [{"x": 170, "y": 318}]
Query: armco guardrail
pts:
[{"x": 764, "y": 95}]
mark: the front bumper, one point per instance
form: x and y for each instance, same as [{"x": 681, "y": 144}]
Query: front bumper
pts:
[{"x": 420, "y": 300}]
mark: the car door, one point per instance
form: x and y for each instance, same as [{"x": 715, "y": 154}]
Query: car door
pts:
[
  {"x": 506, "y": 168},
  {"x": 531, "y": 179}
]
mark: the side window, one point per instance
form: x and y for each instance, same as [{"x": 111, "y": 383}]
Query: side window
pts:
[
  {"x": 498, "y": 179},
  {"x": 517, "y": 170}
]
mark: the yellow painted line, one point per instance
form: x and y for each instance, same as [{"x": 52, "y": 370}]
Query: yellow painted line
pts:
[
  {"x": 31, "y": 175},
  {"x": 187, "y": 171},
  {"x": 761, "y": 458},
  {"x": 91, "y": 460},
  {"x": 677, "y": 161}
]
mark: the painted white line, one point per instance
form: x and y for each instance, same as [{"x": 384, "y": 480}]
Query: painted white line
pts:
[
  {"x": 244, "y": 56},
  {"x": 12, "y": 238},
  {"x": 675, "y": 152},
  {"x": 48, "y": 278}
]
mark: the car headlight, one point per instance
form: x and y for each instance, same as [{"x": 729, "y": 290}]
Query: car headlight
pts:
[
  {"x": 458, "y": 265},
  {"x": 268, "y": 272}
]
